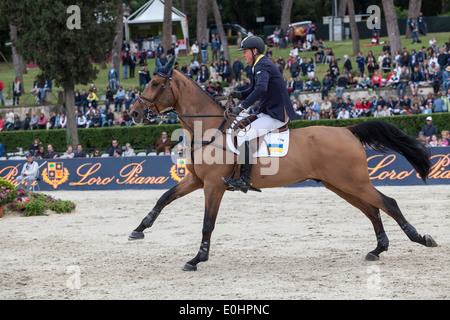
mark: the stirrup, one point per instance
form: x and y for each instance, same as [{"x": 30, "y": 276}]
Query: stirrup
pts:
[{"x": 237, "y": 184}]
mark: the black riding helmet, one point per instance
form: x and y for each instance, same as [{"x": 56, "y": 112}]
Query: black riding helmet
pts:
[{"x": 252, "y": 42}]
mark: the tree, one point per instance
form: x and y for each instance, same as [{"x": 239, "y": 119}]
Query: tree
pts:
[
  {"x": 392, "y": 25},
  {"x": 219, "y": 25},
  {"x": 353, "y": 28},
  {"x": 286, "y": 10},
  {"x": 118, "y": 39},
  {"x": 167, "y": 25},
  {"x": 413, "y": 11},
  {"x": 202, "y": 14},
  {"x": 63, "y": 40}
]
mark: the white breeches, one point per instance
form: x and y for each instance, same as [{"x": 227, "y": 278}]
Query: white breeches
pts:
[{"x": 260, "y": 127}]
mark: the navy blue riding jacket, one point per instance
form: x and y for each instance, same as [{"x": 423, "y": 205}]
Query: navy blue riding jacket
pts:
[{"x": 269, "y": 88}]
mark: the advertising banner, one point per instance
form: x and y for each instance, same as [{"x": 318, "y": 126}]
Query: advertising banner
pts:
[{"x": 163, "y": 172}]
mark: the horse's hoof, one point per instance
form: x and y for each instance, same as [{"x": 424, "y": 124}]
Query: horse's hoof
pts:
[
  {"x": 429, "y": 241},
  {"x": 189, "y": 267},
  {"x": 136, "y": 235},
  {"x": 371, "y": 257}
]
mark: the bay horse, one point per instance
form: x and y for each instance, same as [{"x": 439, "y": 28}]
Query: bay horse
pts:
[{"x": 333, "y": 156}]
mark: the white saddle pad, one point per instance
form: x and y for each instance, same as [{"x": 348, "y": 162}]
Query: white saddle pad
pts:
[{"x": 275, "y": 144}]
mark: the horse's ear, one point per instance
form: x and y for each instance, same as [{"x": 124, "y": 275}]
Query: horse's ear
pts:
[
  {"x": 157, "y": 63},
  {"x": 170, "y": 64}
]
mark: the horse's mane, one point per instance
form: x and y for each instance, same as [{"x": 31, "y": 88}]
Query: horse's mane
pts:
[{"x": 203, "y": 91}]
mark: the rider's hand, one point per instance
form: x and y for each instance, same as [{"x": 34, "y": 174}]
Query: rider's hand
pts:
[
  {"x": 238, "y": 109},
  {"x": 236, "y": 94}
]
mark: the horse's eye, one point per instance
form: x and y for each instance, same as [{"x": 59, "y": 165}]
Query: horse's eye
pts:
[{"x": 154, "y": 84}]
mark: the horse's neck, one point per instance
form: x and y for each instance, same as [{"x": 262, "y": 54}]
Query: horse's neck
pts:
[{"x": 193, "y": 100}]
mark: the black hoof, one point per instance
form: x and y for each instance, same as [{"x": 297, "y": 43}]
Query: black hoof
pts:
[
  {"x": 136, "y": 235},
  {"x": 429, "y": 241},
  {"x": 372, "y": 257},
  {"x": 189, "y": 267}
]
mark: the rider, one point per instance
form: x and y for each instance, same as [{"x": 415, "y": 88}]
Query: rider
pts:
[{"x": 275, "y": 107}]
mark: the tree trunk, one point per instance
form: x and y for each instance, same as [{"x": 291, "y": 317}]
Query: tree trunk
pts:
[
  {"x": 222, "y": 34},
  {"x": 443, "y": 8},
  {"x": 353, "y": 28},
  {"x": 413, "y": 11},
  {"x": 341, "y": 8},
  {"x": 392, "y": 25},
  {"x": 286, "y": 10},
  {"x": 167, "y": 25},
  {"x": 71, "y": 127},
  {"x": 202, "y": 13},
  {"x": 118, "y": 39},
  {"x": 17, "y": 58}
]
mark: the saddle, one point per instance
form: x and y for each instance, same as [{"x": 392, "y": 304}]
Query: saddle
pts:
[{"x": 273, "y": 144}]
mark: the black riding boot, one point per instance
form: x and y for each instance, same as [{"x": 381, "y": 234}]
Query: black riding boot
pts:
[{"x": 243, "y": 182}]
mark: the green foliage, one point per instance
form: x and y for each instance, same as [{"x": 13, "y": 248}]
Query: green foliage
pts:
[
  {"x": 63, "y": 54},
  {"x": 147, "y": 135},
  {"x": 37, "y": 204}
]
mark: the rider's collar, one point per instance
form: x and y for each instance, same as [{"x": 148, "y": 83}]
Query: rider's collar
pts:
[{"x": 257, "y": 59}]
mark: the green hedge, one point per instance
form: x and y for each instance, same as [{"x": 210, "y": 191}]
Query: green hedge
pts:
[{"x": 147, "y": 135}]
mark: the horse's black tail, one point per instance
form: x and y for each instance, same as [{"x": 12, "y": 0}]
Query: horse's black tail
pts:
[{"x": 381, "y": 136}]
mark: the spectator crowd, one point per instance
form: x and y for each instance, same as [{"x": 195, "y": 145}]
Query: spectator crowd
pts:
[{"x": 404, "y": 72}]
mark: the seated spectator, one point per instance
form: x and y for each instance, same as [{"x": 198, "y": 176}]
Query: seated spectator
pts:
[
  {"x": 109, "y": 118},
  {"x": 343, "y": 114},
  {"x": 120, "y": 97},
  {"x": 351, "y": 82},
  {"x": 17, "y": 122},
  {"x": 29, "y": 171},
  {"x": 78, "y": 100},
  {"x": 211, "y": 90},
  {"x": 377, "y": 80},
  {"x": 129, "y": 98},
  {"x": 416, "y": 78},
  {"x": 68, "y": 154},
  {"x": 84, "y": 102},
  {"x": 34, "y": 121},
  {"x": 80, "y": 120},
  {"x": 90, "y": 118},
  {"x": 355, "y": 113},
  {"x": 114, "y": 146},
  {"x": 365, "y": 82},
  {"x": 375, "y": 38},
  {"x": 341, "y": 85},
  {"x": 96, "y": 153},
  {"x": 327, "y": 83},
  {"x": 129, "y": 152},
  {"x": 316, "y": 85},
  {"x": 117, "y": 153},
  {"x": 62, "y": 121},
  {"x": 52, "y": 121},
  {"x": 98, "y": 119},
  {"x": 40, "y": 152},
  {"x": 51, "y": 153},
  {"x": 92, "y": 99},
  {"x": 126, "y": 119},
  {"x": 26, "y": 122},
  {"x": 162, "y": 142},
  {"x": 109, "y": 98},
  {"x": 80, "y": 152},
  {"x": 393, "y": 80},
  {"x": 439, "y": 104}
]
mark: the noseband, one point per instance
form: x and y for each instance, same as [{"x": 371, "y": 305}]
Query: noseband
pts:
[{"x": 147, "y": 110}]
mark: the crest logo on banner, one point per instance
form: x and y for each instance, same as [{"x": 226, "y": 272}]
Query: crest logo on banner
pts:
[
  {"x": 179, "y": 170},
  {"x": 55, "y": 174}
]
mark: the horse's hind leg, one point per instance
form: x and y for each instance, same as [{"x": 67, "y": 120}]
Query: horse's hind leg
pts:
[
  {"x": 189, "y": 184},
  {"x": 367, "y": 193},
  {"x": 373, "y": 213},
  {"x": 392, "y": 209}
]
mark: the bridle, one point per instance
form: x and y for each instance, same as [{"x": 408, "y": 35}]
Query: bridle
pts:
[
  {"x": 147, "y": 110},
  {"x": 149, "y": 114}
]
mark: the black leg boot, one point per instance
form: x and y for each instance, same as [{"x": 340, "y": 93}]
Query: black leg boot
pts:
[{"x": 243, "y": 182}]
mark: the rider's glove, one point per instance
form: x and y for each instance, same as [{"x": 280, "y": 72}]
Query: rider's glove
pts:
[
  {"x": 238, "y": 109},
  {"x": 236, "y": 94}
]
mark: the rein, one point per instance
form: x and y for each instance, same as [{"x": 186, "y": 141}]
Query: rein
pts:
[{"x": 148, "y": 113}]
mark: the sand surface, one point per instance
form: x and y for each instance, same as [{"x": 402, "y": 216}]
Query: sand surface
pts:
[{"x": 281, "y": 244}]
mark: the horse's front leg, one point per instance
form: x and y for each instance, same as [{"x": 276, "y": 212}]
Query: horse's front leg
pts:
[
  {"x": 189, "y": 184},
  {"x": 213, "y": 197}
]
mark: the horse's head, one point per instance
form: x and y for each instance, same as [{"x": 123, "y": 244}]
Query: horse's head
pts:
[{"x": 157, "y": 96}]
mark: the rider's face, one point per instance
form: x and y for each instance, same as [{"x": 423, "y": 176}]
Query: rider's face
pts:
[{"x": 247, "y": 56}]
